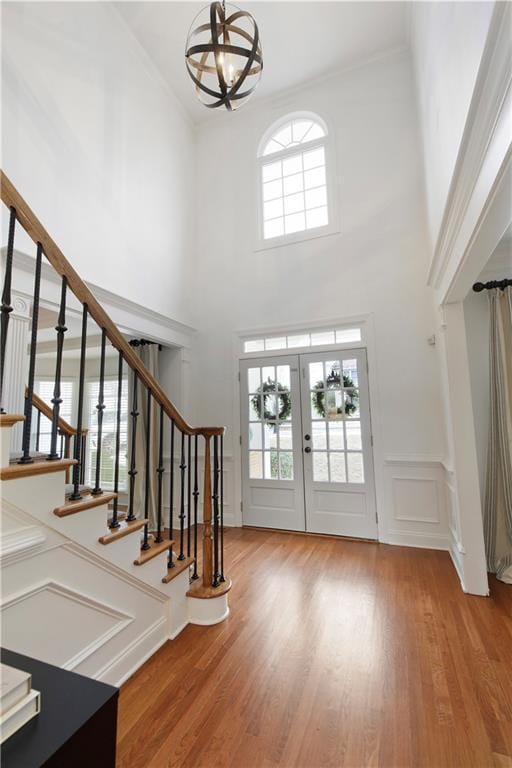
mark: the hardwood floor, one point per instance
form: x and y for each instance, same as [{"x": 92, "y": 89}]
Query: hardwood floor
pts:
[{"x": 336, "y": 653}]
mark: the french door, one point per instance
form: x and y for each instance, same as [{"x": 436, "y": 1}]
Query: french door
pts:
[{"x": 306, "y": 444}]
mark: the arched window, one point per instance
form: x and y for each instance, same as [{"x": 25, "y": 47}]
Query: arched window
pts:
[{"x": 293, "y": 178}]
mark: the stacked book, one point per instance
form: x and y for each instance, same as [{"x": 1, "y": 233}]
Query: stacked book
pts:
[{"x": 19, "y": 702}]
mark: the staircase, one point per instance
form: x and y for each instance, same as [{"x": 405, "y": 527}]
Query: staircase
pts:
[{"x": 88, "y": 584}]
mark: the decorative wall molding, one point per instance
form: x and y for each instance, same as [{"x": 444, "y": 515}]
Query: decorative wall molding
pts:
[
  {"x": 487, "y": 103},
  {"x": 135, "y": 654},
  {"x": 412, "y": 460},
  {"x": 16, "y": 545},
  {"x": 121, "y": 620}
]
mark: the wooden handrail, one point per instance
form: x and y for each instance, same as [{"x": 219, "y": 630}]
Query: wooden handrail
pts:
[
  {"x": 64, "y": 427},
  {"x": 35, "y": 230}
]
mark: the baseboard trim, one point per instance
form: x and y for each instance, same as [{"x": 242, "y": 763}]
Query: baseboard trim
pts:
[
  {"x": 148, "y": 643},
  {"x": 416, "y": 539}
]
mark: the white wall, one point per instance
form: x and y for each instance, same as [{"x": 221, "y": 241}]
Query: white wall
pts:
[
  {"x": 100, "y": 150},
  {"x": 448, "y": 40},
  {"x": 376, "y": 264}
]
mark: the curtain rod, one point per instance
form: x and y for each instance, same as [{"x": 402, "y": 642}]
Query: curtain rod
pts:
[
  {"x": 492, "y": 284},
  {"x": 143, "y": 343}
]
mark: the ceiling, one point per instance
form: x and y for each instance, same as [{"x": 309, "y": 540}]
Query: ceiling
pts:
[{"x": 301, "y": 41}]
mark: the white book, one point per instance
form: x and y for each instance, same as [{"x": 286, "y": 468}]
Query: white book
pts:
[
  {"x": 14, "y": 686},
  {"x": 21, "y": 713}
]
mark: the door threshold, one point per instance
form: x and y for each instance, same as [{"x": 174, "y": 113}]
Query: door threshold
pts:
[{"x": 311, "y": 533}]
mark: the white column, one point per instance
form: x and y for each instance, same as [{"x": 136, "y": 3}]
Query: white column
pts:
[
  {"x": 16, "y": 363},
  {"x": 465, "y": 463}
]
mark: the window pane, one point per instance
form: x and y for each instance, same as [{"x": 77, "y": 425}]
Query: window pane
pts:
[
  {"x": 300, "y": 128},
  {"x": 314, "y": 158},
  {"x": 355, "y": 467},
  {"x": 324, "y": 337},
  {"x": 337, "y": 467},
  {"x": 254, "y": 406},
  {"x": 273, "y": 209},
  {"x": 286, "y": 465},
  {"x": 292, "y": 165},
  {"x": 272, "y": 147},
  {"x": 268, "y": 374},
  {"x": 255, "y": 465},
  {"x": 294, "y": 203},
  {"x": 299, "y": 340},
  {"x": 352, "y": 404},
  {"x": 350, "y": 377},
  {"x": 270, "y": 436},
  {"x": 255, "y": 441},
  {"x": 319, "y": 436},
  {"x": 255, "y": 345},
  {"x": 283, "y": 373},
  {"x": 275, "y": 343},
  {"x": 294, "y": 223},
  {"x": 336, "y": 441},
  {"x": 314, "y": 178},
  {"x": 273, "y": 228},
  {"x": 284, "y": 135},
  {"x": 271, "y": 171},
  {"x": 316, "y": 197},
  {"x": 293, "y": 184},
  {"x": 320, "y": 473},
  {"x": 285, "y": 436},
  {"x": 316, "y": 375},
  {"x": 353, "y": 431},
  {"x": 271, "y": 467},
  {"x": 254, "y": 379},
  {"x": 272, "y": 189},
  {"x": 346, "y": 335},
  {"x": 316, "y": 132},
  {"x": 317, "y": 218}
]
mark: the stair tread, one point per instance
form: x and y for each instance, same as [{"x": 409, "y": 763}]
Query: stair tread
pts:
[
  {"x": 154, "y": 550},
  {"x": 9, "y": 419},
  {"x": 88, "y": 502},
  {"x": 179, "y": 567},
  {"x": 205, "y": 593},
  {"x": 124, "y": 529},
  {"x": 14, "y": 471}
]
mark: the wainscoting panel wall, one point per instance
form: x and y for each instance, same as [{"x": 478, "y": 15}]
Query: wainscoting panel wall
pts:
[{"x": 416, "y": 497}]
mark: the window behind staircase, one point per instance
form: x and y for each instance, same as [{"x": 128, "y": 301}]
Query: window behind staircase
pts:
[
  {"x": 108, "y": 452},
  {"x": 44, "y": 388}
]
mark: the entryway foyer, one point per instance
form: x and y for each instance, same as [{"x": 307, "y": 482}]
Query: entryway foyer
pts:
[{"x": 256, "y": 384}]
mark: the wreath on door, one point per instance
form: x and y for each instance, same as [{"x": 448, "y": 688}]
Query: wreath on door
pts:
[
  {"x": 333, "y": 381},
  {"x": 260, "y": 400}
]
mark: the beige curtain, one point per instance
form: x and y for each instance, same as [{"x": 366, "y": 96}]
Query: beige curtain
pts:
[
  {"x": 498, "y": 491},
  {"x": 148, "y": 353}
]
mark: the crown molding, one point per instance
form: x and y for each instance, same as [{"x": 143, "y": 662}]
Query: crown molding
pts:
[{"x": 487, "y": 110}]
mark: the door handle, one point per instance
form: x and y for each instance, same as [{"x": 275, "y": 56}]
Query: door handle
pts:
[
  {"x": 307, "y": 437},
  {"x": 307, "y": 449}
]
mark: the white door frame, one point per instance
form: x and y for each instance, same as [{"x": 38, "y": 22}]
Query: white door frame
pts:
[{"x": 367, "y": 325}]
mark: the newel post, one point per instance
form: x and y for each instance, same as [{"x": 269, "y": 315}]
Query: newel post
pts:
[{"x": 207, "y": 517}]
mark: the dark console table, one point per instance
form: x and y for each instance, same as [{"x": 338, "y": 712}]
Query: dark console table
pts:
[{"x": 76, "y": 727}]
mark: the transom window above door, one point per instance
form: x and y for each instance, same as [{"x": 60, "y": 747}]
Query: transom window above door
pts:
[{"x": 294, "y": 192}]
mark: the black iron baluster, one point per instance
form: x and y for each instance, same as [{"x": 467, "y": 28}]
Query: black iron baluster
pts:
[
  {"x": 97, "y": 490},
  {"x": 183, "y": 468},
  {"x": 215, "y": 581},
  {"x": 222, "y": 508},
  {"x": 160, "y": 473},
  {"x": 145, "y": 544},
  {"x": 81, "y": 385},
  {"x": 83, "y": 440},
  {"x": 134, "y": 413},
  {"x": 6, "y": 300},
  {"x": 61, "y": 445},
  {"x": 196, "y": 496},
  {"x": 189, "y": 495},
  {"x": 26, "y": 458},
  {"x": 57, "y": 399},
  {"x": 38, "y": 430},
  {"x": 114, "y": 523},
  {"x": 170, "y": 563}
]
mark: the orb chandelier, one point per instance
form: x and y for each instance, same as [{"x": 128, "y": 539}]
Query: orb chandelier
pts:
[{"x": 223, "y": 56}]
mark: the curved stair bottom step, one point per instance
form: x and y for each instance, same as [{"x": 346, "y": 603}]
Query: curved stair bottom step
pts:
[{"x": 208, "y": 605}]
